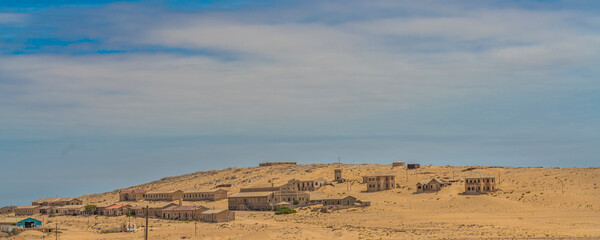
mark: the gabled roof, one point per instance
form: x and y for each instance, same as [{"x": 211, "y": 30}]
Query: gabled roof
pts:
[
  {"x": 251, "y": 194},
  {"x": 116, "y": 206},
  {"x": 338, "y": 197},
  {"x": 160, "y": 205},
  {"x": 54, "y": 199},
  {"x": 213, "y": 211}
]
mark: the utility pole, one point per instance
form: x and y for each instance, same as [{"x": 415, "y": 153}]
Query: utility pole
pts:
[
  {"x": 146, "y": 230},
  {"x": 56, "y": 230},
  {"x": 195, "y": 227}
]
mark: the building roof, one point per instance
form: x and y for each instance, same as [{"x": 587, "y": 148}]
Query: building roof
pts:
[
  {"x": 27, "y": 207},
  {"x": 116, "y": 206},
  {"x": 251, "y": 194},
  {"x": 213, "y": 211},
  {"x": 71, "y": 207},
  {"x": 380, "y": 174},
  {"x": 154, "y": 205},
  {"x": 163, "y": 192},
  {"x": 184, "y": 208},
  {"x": 203, "y": 191},
  {"x": 337, "y": 197},
  {"x": 15, "y": 220},
  {"x": 54, "y": 199},
  {"x": 424, "y": 182},
  {"x": 133, "y": 191}
]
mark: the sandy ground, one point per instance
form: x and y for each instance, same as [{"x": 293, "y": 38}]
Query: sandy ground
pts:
[{"x": 532, "y": 203}]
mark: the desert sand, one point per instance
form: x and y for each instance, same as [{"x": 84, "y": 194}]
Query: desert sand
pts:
[{"x": 532, "y": 203}]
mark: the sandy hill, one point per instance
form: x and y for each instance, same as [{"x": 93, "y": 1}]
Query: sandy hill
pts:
[{"x": 534, "y": 203}]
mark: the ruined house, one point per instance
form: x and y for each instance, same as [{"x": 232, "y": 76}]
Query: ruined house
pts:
[
  {"x": 432, "y": 185},
  {"x": 380, "y": 182}
]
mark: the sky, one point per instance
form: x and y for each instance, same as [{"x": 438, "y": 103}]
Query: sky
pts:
[{"x": 97, "y": 95}]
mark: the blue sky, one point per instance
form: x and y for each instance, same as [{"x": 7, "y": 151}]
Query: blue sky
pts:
[{"x": 99, "y": 95}]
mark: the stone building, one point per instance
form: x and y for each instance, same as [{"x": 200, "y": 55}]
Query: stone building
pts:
[
  {"x": 257, "y": 201},
  {"x": 183, "y": 213},
  {"x": 7, "y": 209},
  {"x": 338, "y": 175},
  {"x": 70, "y": 210},
  {"x": 432, "y": 185},
  {"x": 480, "y": 183},
  {"x": 398, "y": 164},
  {"x": 217, "y": 215},
  {"x": 154, "y": 209},
  {"x": 27, "y": 210},
  {"x": 163, "y": 195},
  {"x": 205, "y": 195},
  {"x": 308, "y": 185},
  {"x": 131, "y": 195},
  {"x": 339, "y": 201},
  {"x": 380, "y": 182},
  {"x": 56, "y": 202}
]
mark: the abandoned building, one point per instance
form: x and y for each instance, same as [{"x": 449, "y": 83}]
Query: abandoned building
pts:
[
  {"x": 7, "y": 209},
  {"x": 380, "y": 181},
  {"x": 413, "y": 166},
  {"x": 266, "y": 164},
  {"x": 257, "y": 201},
  {"x": 432, "y": 185},
  {"x": 217, "y": 216},
  {"x": 154, "y": 209},
  {"x": 56, "y": 202},
  {"x": 339, "y": 201},
  {"x": 205, "y": 195},
  {"x": 131, "y": 194},
  {"x": 115, "y": 210},
  {"x": 9, "y": 224},
  {"x": 183, "y": 213},
  {"x": 292, "y": 197},
  {"x": 163, "y": 195},
  {"x": 48, "y": 210},
  {"x": 70, "y": 210},
  {"x": 27, "y": 210},
  {"x": 479, "y": 183},
  {"x": 338, "y": 175},
  {"x": 398, "y": 164},
  {"x": 308, "y": 185}
]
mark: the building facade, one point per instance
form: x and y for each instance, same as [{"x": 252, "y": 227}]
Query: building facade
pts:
[
  {"x": 205, "y": 195},
  {"x": 27, "y": 210},
  {"x": 480, "y": 184},
  {"x": 432, "y": 185},
  {"x": 163, "y": 195},
  {"x": 253, "y": 201},
  {"x": 381, "y": 182},
  {"x": 217, "y": 215},
  {"x": 131, "y": 195},
  {"x": 183, "y": 213}
]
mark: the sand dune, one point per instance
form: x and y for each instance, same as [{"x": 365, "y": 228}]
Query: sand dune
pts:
[{"x": 534, "y": 203}]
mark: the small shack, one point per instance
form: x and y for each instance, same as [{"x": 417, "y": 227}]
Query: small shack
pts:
[
  {"x": 432, "y": 185},
  {"x": 217, "y": 215},
  {"x": 8, "y": 224},
  {"x": 413, "y": 166},
  {"x": 339, "y": 201},
  {"x": 398, "y": 164}
]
